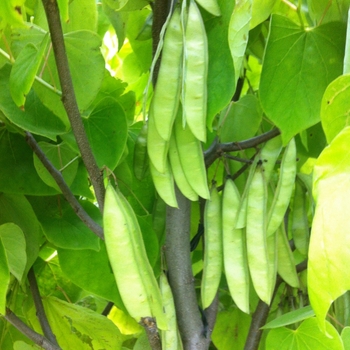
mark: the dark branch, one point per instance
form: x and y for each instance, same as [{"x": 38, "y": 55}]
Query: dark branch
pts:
[
  {"x": 40, "y": 312},
  {"x": 261, "y": 313},
  {"x": 57, "y": 176},
  {"x": 107, "y": 309},
  {"x": 181, "y": 280},
  {"x": 69, "y": 99},
  {"x": 28, "y": 332},
  {"x": 216, "y": 149}
]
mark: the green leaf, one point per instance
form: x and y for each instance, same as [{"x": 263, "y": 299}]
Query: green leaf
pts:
[
  {"x": 290, "y": 318},
  {"x": 261, "y": 11},
  {"x": 52, "y": 281},
  {"x": 91, "y": 271},
  {"x": 346, "y": 68},
  {"x": 221, "y": 71},
  {"x": 61, "y": 224},
  {"x": 77, "y": 327},
  {"x": 298, "y": 66},
  {"x": 10, "y": 12},
  {"x": 24, "y": 71},
  {"x": 238, "y": 33},
  {"x": 17, "y": 209},
  {"x": 326, "y": 11},
  {"x": 21, "y": 345},
  {"x": 328, "y": 276},
  {"x": 345, "y": 335},
  {"x": 13, "y": 241},
  {"x": 18, "y": 174},
  {"x": 106, "y": 128},
  {"x": 335, "y": 107},
  {"x": 82, "y": 15},
  {"x": 62, "y": 158},
  {"x": 307, "y": 337},
  {"x": 241, "y": 120},
  {"x": 83, "y": 51},
  {"x": 35, "y": 118},
  {"x": 231, "y": 327},
  {"x": 4, "y": 279}
]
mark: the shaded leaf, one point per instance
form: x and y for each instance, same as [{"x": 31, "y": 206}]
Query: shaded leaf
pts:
[
  {"x": 221, "y": 71},
  {"x": 14, "y": 244},
  {"x": 298, "y": 66}
]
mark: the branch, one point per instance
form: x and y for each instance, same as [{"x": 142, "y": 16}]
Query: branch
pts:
[
  {"x": 261, "y": 313},
  {"x": 67, "y": 193},
  {"x": 40, "y": 312},
  {"x": 69, "y": 99},
  {"x": 28, "y": 332},
  {"x": 181, "y": 280},
  {"x": 216, "y": 149},
  {"x": 150, "y": 326}
]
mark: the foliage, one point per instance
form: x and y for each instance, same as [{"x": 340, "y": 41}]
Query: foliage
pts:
[{"x": 240, "y": 150}]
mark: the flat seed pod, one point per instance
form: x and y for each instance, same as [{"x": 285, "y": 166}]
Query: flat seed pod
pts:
[
  {"x": 167, "y": 91},
  {"x": 195, "y": 74}
]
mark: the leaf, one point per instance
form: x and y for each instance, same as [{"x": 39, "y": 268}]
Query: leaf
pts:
[
  {"x": 335, "y": 107},
  {"x": 238, "y": 33},
  {"x": 18, "y": 174},
  {"x": 346, "y": 69},
  {"x": 16, "y": 209},
  {"x": 77, "y": 327},
  {"x": 221, "y": 71},
  {"x": 231, "y": 327},
  {"x": 106, "y": 128},
  {"x": 35, "y": 118},
  {"x": 62, "y": 226},
  {"x": 24, "y": 71},
  {"x": 21, "y": 345},
  {"x": 307, "y": 337},
  {"x": 345, "y": 335},
  {"x": 14, "y": 244},
  {"x": 328, "y": 276},
  {"x": 298, "y": 66},
  {"x": 4, "y": 279},
  {"x": 241, "y": 120},
  {"x": 261, "y": 11},
  {"x": 10, "y": 12},
  {"x": 91, "y": 271},
  {"x": 62, "y": 158},
  {"x": 328, "y": 11},
  {"x": 290, "y": 318}
]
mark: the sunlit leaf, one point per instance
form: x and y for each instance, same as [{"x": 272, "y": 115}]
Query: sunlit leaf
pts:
[
  {"x": 4, "y": 279},
  {"x": 290, "y": 318},
  {"x": 307, "y": 337},
  {"x": 80, "y": 328},
  {"x": 335, "y": 107},
  {"x": 11, "y": 12},
  {"x": 329, "y": 257},
  {"x": 261, "y": 11},
  {"x": 298, "y": 65},
  {"x": 345, "y": 335}
]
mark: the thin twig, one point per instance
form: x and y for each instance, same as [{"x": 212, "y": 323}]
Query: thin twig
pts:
[
  {"x": 40, "y": 311},
  {"x": 28, "y": 332},
  {"x": 216, "y": 149},
  {"x": 67, "y": 193},
  {"x": 69, "y": 99}
]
